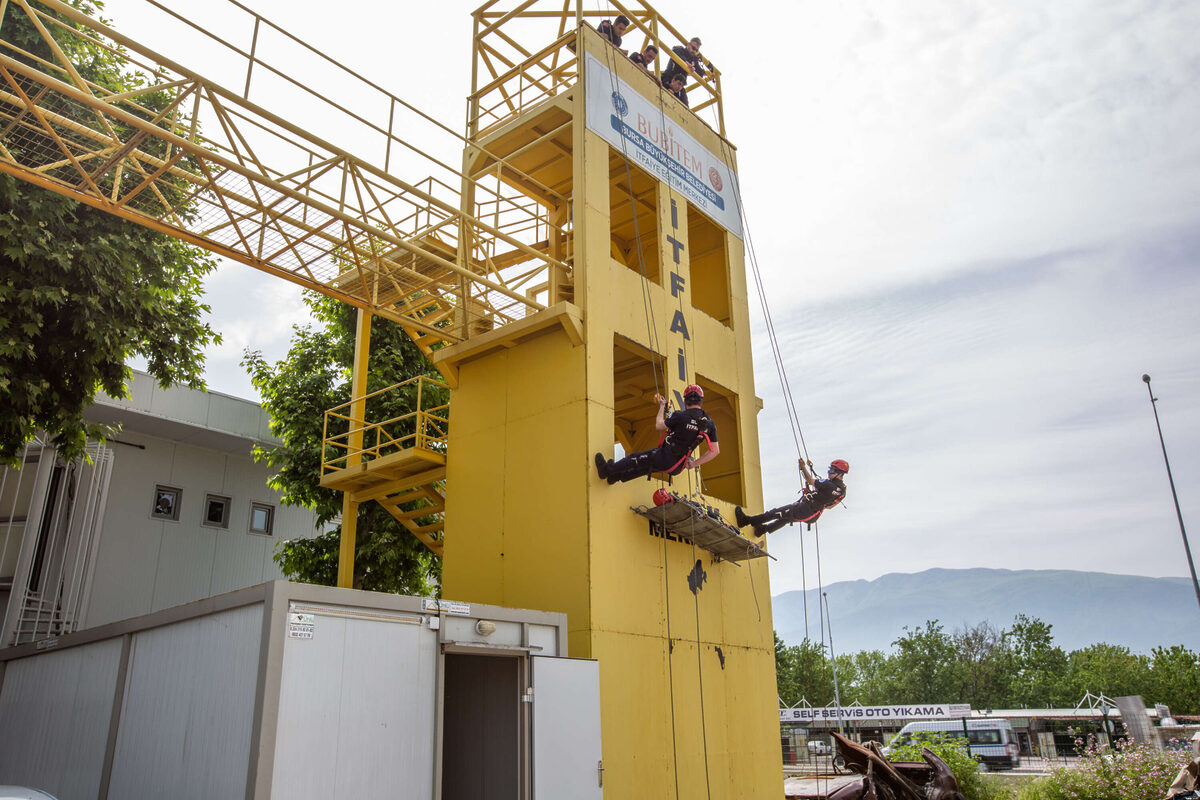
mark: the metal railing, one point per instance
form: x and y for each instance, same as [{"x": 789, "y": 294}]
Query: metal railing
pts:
[
  {"x": 349, "y": 440},
  {"x": 51, "y": 513},
  {"x": 528, "y": 54}
]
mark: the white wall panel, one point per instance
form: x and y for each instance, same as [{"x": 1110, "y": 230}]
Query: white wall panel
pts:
[
  {"x": 55, "y": 710},
  {"x": 185, "y": 560},
  {"x": 145, "y": 565},
  {"x": 179, "y": 402},
  {"x": 234, "y": 414},
  {"x": 187, "y": 714},
  {"x": 356, "y": 718},
  {"x": 185, "y": 565},
  {"x": 127, "y": 553}
]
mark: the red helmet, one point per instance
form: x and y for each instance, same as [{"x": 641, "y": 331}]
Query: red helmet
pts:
[
  {"x": 839, "y": 465},
  {"x": 693, "y": 390},
  {"x": 662, "y": 497}
]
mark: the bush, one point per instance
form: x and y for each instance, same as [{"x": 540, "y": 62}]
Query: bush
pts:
[
  {"x": 953, "y": 750},
  {"x": 1128, "y": 771}
]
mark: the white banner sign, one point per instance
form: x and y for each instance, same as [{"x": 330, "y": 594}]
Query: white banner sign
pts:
[
  {"x": 859, "y": 713},
  {"x": 637, "y": 127}
]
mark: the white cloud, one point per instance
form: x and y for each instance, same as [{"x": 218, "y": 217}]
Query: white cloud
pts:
[{"x": 928, "y": 138}]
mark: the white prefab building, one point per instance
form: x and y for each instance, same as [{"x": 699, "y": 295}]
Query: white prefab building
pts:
[
  {"x": 170, "y": 510},
  {"x": 293, "y": 692}
]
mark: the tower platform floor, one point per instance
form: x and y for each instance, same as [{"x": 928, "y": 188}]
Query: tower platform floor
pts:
[{"x": 691, "y": 522}]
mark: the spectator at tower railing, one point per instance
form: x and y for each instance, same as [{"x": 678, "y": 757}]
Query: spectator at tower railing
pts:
[
  {"x": 645, "y": 59},
  {"x": 674, "y": 85},
  {"x": 613, "y": 30},
  {"x": 690, "y": 55}
]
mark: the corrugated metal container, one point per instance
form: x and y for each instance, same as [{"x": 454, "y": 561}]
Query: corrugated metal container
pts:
[{"x": 293, "y": 691}]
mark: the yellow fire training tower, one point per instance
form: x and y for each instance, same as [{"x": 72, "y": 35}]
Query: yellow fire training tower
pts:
[
  {"x": 657, "y": 300},
  {"x": 589, "y": 256}
]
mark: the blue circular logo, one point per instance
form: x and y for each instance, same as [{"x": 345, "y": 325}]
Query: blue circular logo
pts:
[{"x": 619, "y": 104}]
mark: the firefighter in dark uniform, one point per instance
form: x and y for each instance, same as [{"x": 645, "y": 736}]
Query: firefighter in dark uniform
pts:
[
  {"x": 818, "y": 496},
  {"x": 674, "y": 85},
  {"x": 614, "y": 30},
  {"x": 685, "y": 429}
]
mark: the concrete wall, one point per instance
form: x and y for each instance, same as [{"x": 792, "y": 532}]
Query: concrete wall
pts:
[{"x": 145, "y": 564}]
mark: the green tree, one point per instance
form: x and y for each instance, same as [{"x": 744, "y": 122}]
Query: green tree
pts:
[
  {"x": 1039, "y": 667},
  {"x": 925, "y": 666},
  {"x": 296, "y": 391},
  {"x": 1108, "y": 668},
  {"x": 984, "y": 666},
  {"x": 1175, "y": 679},
  {"x": 83, "y": 291},
  {"x": 803, "y": 673},
  {"x": 874, "y": 676},
  {"x": 785, "y": 672}
]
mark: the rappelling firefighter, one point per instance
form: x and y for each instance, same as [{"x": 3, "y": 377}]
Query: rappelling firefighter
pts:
[
  {"x": 685, "y": 430},
  {"x": 818, "y": 496}
]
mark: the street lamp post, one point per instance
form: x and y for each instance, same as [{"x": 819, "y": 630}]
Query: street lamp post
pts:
[
  {"x": 833, "y": 665},
  {"x": 1179, "y": 514}
]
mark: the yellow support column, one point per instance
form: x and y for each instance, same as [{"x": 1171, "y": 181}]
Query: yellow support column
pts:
[
  {"x": 358, "y": 390},
  {"x": 684, "y": 640}
]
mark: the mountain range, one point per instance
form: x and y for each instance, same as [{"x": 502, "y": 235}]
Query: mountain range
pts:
[{"x": 1083, "y": 607}]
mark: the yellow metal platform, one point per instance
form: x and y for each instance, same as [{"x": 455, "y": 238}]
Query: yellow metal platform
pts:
[
  {"x": 399, "y": 461},
  {"x": 689, "y": 522}
]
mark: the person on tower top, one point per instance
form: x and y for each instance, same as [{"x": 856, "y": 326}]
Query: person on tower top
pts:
[
  {"x": 689, "y": 55},
  {"x": 818, "y": 496},
  {"x": 686, "y": 429},
  {"x": 613, "y": 30},
  {"x": 645, "y": 59},
  {"x": 674, "y": 85}
]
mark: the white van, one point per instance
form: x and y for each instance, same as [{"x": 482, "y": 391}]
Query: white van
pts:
[{"x": 991, "y": 741}]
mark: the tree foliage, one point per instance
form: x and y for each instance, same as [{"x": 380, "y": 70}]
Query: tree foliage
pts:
[
  {"x": 1016, "y": 667},
  {"x": 83, "y": 291},
  {"x": 804, "y": 671},
  {"x": 314, "y": 377}
]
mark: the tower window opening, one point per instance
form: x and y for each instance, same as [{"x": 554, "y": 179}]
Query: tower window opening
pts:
[
  {"x": 708, "y": 248},
  {"x": 635, "y": 369},
  {"x": 723, "y": 475},
  {"x": 633, "y": 225}
]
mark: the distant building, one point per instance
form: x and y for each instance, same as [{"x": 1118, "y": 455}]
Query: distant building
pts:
[
  {"x": 172, "y": 509},
  {"x": 1046, "y": 733}
]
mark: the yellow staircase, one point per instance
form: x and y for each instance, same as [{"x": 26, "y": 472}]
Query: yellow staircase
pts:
[{"x": 399, "y": 461}]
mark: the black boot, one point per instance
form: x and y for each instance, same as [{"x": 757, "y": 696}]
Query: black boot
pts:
[
  {"x": 740, "y": 516},
  {"x": 602, "y": 466}
]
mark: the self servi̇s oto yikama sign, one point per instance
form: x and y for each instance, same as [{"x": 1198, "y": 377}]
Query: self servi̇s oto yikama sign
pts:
[
  {"x": 856, "y": 713},
  {"x": 637, "y": 127}
]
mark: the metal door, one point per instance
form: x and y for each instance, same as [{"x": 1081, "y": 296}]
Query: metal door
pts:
[{"x": 566, "y": 729}]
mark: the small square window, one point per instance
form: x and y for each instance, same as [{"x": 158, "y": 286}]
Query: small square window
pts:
[
  {"x": 216, "y": 511},
  {"x": 262, "y": 518},
  {"x": 166, "y": 503}
]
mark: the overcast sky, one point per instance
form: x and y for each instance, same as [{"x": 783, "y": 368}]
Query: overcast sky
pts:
[{"x": 978, "y": 223}]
